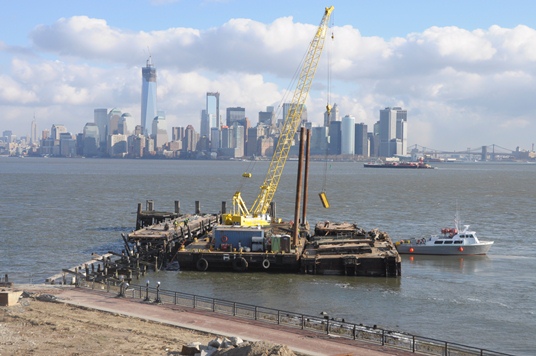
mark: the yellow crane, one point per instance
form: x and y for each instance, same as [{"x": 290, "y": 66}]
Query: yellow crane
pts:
[{"x": 257, "y": 215}]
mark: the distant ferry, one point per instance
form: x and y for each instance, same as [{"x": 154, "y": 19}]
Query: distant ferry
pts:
[{"x": 381, "y": 164}]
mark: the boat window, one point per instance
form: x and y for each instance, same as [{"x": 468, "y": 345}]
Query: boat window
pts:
[
  {"x": 470, "y": 236},
  {"x": 438, "y": 242},
  {"x": 458, "y": 242},
  {"x": 448, "y": 242},
  {"x": 462, "y": 236}
]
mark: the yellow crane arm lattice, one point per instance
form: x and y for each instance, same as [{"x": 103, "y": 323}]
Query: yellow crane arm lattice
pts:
[
  {"x": 293, "y": 119},
  {"x": 257, "y": 214}
]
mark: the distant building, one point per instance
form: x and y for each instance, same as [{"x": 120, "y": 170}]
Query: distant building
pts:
[
  {"x": 348, "y": 135},
  {"x": 159, "y": 131},
  {"x": 393, "y": 132},
  {"x": 213, "y": 110},
  {"x": 117, "y": 145},
  {"x": 267, "y": 117},
  {"x": 114, "y": 116},
  {"x": 319, "y": 140},
  {"x": 90, "y": 140},
  {"x": 148, "y": 97},
  {"x": 288, "y": 106},
  {"x": 190, "y": 139},
  {"x": 361, "y": 140},
  {"x": 56, "y": 131},
  {"x": 333, "y": 115},
  {"x": 236, "y": 114},
  {"x": 127, "y": 125},
  {"x": 100, "y": 118},
  {"x": 67, "y": 145},
  {"x": 334, "y": 138},
  {"x": 33, "y": 133}
]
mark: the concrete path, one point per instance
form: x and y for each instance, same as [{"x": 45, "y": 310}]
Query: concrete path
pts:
[{"x": 305, "y": 342}]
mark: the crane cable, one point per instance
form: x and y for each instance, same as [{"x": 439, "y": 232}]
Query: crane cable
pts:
[{"x": 322, "y": 194}]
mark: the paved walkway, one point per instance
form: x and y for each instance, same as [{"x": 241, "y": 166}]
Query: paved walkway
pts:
[{"x": 305, "y": 342}]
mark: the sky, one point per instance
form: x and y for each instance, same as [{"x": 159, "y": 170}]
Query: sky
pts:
[{"x": 464, "y": 70}]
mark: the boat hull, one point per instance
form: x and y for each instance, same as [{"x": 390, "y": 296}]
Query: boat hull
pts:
[{"x": 421, "y": 249}]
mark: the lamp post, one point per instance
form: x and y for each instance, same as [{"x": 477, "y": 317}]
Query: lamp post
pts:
[
  {"x": 147, "y": 299},
  {"x": 157, "y": 300}
]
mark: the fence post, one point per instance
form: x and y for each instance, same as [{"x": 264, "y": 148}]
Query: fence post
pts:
[
  {"x": 383, "y": 337},
  {"x": 213, "y": 304},
  {"x": 446, "y": 348},
  {"x": 327, "y": 326},
  {"x": 255, "y": 312},
  {"x": 195, "y": 301},
  {"x": 175, "y": 299},
  {"x": 413, "y": 343},
  {"x": 302, "y": 322},
  {"x": 278, "y": 317},
  {"x": 355, "y": 332}
]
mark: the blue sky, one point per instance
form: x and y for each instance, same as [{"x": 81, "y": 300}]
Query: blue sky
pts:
[{"x": 465, "y": 70}]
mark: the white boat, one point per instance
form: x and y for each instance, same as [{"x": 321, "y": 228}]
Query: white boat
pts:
[{"x": 450, "y": 242}]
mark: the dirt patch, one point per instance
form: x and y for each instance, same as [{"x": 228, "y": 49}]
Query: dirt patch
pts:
[
  {"x": 35, "y": 327},
  {"x": 42, "y": 325}
]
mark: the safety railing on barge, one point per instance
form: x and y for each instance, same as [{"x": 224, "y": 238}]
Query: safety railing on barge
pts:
[{"x": 324, "y": 325}]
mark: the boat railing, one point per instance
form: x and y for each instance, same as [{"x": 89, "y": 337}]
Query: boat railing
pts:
[{"x": 285, "y": 319}]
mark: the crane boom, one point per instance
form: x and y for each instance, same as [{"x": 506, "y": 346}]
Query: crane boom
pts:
[{"x": 290, "y": 126}]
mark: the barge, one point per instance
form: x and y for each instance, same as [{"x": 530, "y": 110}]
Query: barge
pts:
[{"x": 196, "y": 242}]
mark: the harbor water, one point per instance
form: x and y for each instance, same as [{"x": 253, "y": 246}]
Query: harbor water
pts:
[{"x": 56, "y": 212}]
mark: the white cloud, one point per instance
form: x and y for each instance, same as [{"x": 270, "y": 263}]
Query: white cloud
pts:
[{"x": 461, "y": 88}]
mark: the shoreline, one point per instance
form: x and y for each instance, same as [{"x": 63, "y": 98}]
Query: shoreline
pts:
[{"x": 179, "y": 325}]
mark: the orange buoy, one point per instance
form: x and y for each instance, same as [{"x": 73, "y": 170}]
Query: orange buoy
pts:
[
  {"x": 461, "y": 249},
  {"x": 411, "y": 249}
]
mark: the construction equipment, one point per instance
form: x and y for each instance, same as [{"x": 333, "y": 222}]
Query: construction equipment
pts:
[{"x": 257, "y": 215}]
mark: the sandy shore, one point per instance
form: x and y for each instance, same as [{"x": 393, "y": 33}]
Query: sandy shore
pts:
[{"x": 77, "y": 321}]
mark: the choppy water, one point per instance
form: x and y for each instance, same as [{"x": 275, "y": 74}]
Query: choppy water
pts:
[{"x": 56, "y": 212}]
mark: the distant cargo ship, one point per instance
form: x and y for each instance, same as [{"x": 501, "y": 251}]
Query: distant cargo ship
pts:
[{"x": 381, "y": 164}]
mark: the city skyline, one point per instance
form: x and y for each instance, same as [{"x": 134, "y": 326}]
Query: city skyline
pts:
[{"x": 466, "y": 79}]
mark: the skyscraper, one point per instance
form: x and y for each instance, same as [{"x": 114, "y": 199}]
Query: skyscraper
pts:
[
  {"x": 348, "y": 135},
  {"x": 236, "y": 114},
  {"x": 213, "y": 109},
  {"x": 393, "y": 132},
  {"x": 100, "y": 118},
  {"x": 148, "y": 97},
  {"x": 33, "y": 132}
]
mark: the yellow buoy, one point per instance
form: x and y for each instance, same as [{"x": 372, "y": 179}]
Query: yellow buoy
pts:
[
  {"x": 246, "y": 175},
  {"x": 324, "y": 199}
]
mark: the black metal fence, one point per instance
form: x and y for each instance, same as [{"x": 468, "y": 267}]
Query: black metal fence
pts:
[{"x": 324, "y": 325}]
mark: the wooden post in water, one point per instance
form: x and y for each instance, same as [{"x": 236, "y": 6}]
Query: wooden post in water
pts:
[
  {"x": 150, "y": 205},
  {"x": 177, "y": 207},
  {"x": 273, "y": 210},
  {"x": 298, "y": 190},
  {"x": 197, "y": 207},
  {"x": 138, "y": 217},
  {"x": 305, "y": 177}
]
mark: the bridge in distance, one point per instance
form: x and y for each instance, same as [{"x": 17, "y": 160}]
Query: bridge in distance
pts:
[{"x": 491, "y": 152}]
